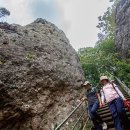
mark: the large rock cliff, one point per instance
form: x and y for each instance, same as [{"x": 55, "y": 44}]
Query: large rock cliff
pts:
[
  {"x": 40, "y": 76},
  {"x": 123, "y": 28}
]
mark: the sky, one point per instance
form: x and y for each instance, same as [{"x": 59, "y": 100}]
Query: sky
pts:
[{"x": 77, "y": 18}]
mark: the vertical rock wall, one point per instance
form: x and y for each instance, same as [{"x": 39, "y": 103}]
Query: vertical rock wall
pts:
[{"x": 123, "y": 28}]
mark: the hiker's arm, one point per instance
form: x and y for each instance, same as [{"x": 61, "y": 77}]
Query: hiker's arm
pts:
[
  {"x": 83, "y": 99},
  {"x": 99, "y": 98},
  {"x": 82, "y": 96},
  {"x": 119, "y": 92},
  {"x": 102, "y": 97}
]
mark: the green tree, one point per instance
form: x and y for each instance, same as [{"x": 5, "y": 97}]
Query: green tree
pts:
[
  {"x": 4, "y": 12},
  {"x": 123, "y": 70},
  {"x": 98, "y": 60},
  {"x": 104, "y": 58},
  {"x": 107, "y": 22}
]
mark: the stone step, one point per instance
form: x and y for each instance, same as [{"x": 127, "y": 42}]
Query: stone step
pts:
[
  {"x": 101, "y": 113},
  {"x": 106, "y": 116},
  {"x": 112, "y": 129},
  {"x": 102, "y": 109},
  {"x": 107, "y": 119}
]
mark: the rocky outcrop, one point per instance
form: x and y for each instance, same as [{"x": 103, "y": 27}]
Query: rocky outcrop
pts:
[
  {"x": 40, "y": 76},
  {"x": 123, "y": 28}
]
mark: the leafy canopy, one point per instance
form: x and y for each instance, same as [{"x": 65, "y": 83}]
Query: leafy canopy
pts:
[
  {"x": 4, "y": 12},
  {"x": 104, "y": 59}
]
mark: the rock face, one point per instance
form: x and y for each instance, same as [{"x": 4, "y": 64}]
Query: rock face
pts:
[
  {"x": 40, "y": 76},
  {"x": 123, "y": 28}
]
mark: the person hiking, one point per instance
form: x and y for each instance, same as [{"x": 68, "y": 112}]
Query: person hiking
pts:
[
  {"x": 114, "y": 97},
  {"x": 94, "y": 101}
]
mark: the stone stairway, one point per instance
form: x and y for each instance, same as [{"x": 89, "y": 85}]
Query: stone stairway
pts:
[{"x": 105, "y": 114}]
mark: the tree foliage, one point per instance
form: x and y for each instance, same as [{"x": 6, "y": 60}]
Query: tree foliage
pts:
[
  {"x": 4, "y": 12},
  {"x": 104, "y": 59},
  {"x": 123, "y": 70},
  {"x": 107, "y": 22},
  {"x": 97, "y": 61}
]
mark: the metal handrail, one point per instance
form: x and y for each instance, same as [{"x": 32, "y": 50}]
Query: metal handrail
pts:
[
  {"x": 85, "y": 123},
  {"x": 78, "y": 120},
  {"x": 123, "y": 85},
  {"x": 62, "y": 123},
  {"x": 59, "y": 126}
]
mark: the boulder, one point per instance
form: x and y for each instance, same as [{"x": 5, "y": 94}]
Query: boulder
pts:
[{"x": 40, "y": 76}]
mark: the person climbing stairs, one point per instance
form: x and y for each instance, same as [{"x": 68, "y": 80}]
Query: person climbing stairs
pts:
[{"x": 105, "y": 114}]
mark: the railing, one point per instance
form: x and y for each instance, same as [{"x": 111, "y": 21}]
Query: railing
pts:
[
  {"x": 85, "y": 124},
  {"x": 75, "y": 109},
  {"x": 123, "y": 85},
  {"x": 78, "y": 120}
]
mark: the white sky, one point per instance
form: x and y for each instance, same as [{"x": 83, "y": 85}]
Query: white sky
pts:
[{"x": 77, "y": 18}]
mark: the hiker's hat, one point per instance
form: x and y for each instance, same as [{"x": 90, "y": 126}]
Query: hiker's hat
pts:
[
  {"x": 86, "y": 83},
  {"x": 103, "y": 77}
]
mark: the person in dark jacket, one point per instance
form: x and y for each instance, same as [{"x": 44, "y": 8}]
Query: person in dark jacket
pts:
[{"x": 94, "y": 102}]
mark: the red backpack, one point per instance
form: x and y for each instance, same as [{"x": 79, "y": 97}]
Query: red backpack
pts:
[{"x": 127, "y": 104}]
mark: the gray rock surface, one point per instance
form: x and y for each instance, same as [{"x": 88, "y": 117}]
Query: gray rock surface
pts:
[
  {"x": 123, "y": 28},
  {"x": 40, "y": 76}
]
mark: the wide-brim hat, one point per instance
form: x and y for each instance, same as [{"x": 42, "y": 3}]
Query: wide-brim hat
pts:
[{"x": 103, "y": 77}]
